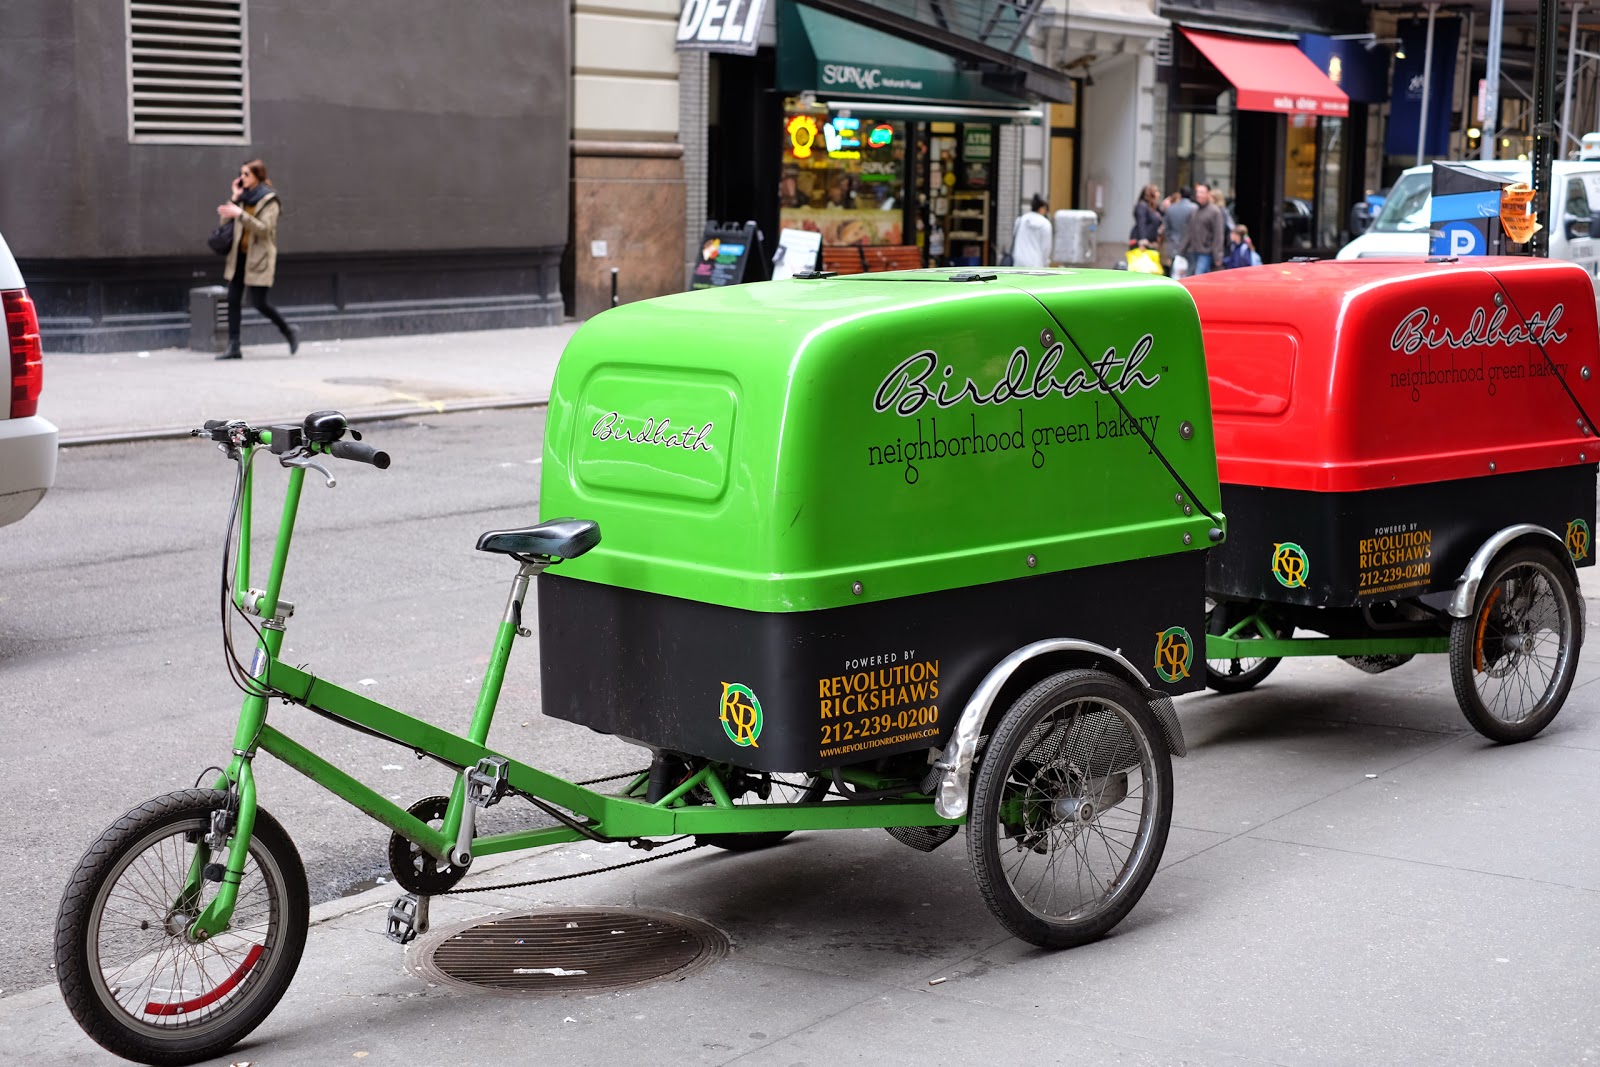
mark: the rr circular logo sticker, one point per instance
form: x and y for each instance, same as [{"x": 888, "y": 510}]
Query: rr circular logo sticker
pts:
[
  {"x": 1290, "y": 565},
  {"x": 1578, "y": 539},
  {"x": 741, "y": 715},
  {"x": 1174, "y": 654}
]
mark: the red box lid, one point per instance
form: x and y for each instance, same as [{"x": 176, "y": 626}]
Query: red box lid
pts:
[{"x": 1340, "y": 376}]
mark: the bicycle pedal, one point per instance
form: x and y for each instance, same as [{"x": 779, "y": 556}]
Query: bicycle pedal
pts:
[
  {"x": 486, "y": 783},
  {"x": 407, "y": 918}
]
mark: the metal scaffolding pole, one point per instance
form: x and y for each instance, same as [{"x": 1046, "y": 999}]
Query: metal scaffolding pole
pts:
[
  {"x": 1466, "y": 77},
  {"x": 1491, "y": 82},
  {"x": 1544, "y": 91},
  {"x": 1566, "y": 94},
  {"x": 1427, "y": 77}
]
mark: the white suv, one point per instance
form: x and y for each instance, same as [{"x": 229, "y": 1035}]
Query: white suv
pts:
[{"x": 27, "y": 441}]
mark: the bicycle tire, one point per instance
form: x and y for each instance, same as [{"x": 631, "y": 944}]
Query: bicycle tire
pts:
[
  {"x": 1046, "y": 783},
  {"x": 1236, "y": 675},
  {"x": 1501, "y": 639},
  {"x": 202, "y": 1009},
  {"x": 814, "y": 790}
]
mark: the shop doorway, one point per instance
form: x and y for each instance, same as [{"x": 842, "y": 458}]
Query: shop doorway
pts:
[{"x": 742, "y": 111}]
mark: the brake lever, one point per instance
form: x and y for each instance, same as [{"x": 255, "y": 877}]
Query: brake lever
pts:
[{"x": 306, "y": 462}]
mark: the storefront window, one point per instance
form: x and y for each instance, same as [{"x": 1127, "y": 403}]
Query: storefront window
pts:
[
  {"x": 844, "y": 176},
  {"x": 1063, "y": 155},
  {"x": 1299, "y": 183},
  {"x": 1330, "y": 219},
  {"x": 1205, "y": 147}
]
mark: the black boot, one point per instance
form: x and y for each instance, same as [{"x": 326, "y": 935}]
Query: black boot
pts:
[
  {"x": 232, "y": 351},
  {"x": 293, "y": 336}
]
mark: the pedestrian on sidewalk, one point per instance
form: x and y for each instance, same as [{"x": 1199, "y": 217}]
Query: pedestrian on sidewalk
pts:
[
  {"x": 1147, "y": 219},
  {"x": 1241, "y": 250},
  {"x": 1179, "y": 209},
  {"x": 254, "y": 208},
  {"x": 1032, "y": 235},
  {"x": 1205, "y": 241}
]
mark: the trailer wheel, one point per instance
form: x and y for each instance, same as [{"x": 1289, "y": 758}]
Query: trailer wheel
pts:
[
  {"x": 1070, "y": 809},
  {"x": 1236, "y": 675},
  {"x": 1513, "y": 659}
]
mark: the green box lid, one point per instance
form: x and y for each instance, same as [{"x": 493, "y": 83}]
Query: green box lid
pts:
[{"x": 805, "y": 444}]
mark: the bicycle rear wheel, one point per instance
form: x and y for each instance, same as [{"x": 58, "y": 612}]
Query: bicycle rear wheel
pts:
[
  {"x": 761, "y": 787},
  {"x": 135, "y": 983}
]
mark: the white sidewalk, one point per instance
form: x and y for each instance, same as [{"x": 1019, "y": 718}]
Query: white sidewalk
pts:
[{"x": 127, "y": 395}]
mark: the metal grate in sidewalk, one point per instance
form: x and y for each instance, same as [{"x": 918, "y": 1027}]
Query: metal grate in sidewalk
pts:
[{"x": 568, "y": 950}]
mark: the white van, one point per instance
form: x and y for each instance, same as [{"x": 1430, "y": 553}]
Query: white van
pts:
[{"x": 1401, "y": 228}]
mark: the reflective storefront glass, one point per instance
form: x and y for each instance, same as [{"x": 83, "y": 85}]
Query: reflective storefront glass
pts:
[{"x": 844, "y": 175}]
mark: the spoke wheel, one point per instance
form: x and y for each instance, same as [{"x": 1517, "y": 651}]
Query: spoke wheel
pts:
[
  {"x": 1513, "y": 659},
  {"x": 412, "y": 867},
  {"x": 127, "y": 970},
  {"x": 1070, "y": 809},
  {"x": 1236, "y": 675},
  {"x": 761, "y": 787}
]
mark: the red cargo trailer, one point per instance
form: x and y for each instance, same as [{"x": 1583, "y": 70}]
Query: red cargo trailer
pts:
[{"x": 1407, "y": 466}]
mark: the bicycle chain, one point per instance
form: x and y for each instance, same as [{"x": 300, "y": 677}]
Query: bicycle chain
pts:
[
  {"x": 614, "y": 777},
  {"x": 580, "y": 874}
]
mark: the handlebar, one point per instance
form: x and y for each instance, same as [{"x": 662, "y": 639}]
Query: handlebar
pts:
[
  {"x": 360, "y": 453},
  {"x": 320, "y": 434}
]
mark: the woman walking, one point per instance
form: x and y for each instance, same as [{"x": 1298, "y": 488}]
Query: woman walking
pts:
[
  {"x": 1147, "y": 219},
  {"x": 254, "y": 208}
]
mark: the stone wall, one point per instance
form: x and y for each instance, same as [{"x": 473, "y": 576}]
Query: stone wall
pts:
[{"x": 628, "y": 216}]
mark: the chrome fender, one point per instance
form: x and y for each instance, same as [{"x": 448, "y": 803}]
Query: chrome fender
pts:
[
  {"x": 1465, "y": 598},
  {"x": 955, "y": 765}
]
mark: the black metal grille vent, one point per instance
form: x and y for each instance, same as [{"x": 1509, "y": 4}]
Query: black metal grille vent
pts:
[{"x": 187, "y": 79}]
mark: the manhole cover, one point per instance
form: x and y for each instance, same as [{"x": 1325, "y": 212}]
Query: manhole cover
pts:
[{"x": 566, "y": 950}]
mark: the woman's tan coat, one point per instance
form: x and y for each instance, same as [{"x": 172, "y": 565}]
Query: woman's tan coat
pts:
[{"x": 261, "y": 255}]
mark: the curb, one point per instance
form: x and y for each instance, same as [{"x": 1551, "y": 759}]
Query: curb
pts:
[{"x": 115, "y": 437}]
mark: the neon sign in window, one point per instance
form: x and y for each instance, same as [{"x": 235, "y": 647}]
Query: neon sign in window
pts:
[
  {"x": 802, "y": 130},
  {"x": 843, "y": 137}
]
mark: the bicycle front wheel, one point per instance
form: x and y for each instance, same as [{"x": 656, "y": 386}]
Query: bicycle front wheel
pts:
[{"x": 128, "y": 972}]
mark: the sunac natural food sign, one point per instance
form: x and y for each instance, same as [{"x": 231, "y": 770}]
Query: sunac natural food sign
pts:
[{"x": 868, "y": 79}]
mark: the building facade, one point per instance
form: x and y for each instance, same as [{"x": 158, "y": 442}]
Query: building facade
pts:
[
  {"x": 628, "y": 190},
  {"x": 422, "y": 159}
]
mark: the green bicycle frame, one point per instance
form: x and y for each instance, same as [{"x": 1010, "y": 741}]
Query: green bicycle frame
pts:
[{"x": 595, "y": 816}]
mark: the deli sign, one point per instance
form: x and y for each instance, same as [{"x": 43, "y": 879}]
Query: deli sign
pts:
[{"x": 721, "y": 25}]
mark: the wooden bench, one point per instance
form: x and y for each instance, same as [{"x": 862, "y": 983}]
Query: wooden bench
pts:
[
  {"x": 892, "y": 257},
  {"x": 865, "y": 259},
  {"x": 843, "y": 259}
]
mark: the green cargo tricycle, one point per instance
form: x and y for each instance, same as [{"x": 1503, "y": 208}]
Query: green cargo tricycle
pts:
[{"x": 913, "y": 550}]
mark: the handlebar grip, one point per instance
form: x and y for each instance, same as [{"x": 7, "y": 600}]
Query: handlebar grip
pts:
[{"x": 360, "y": 453}]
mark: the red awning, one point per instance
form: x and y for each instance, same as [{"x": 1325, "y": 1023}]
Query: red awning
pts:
[{"x": 1272, "y": 76}]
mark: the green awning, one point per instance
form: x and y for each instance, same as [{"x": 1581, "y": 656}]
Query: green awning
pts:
[{"x": 830, "y": 55}]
